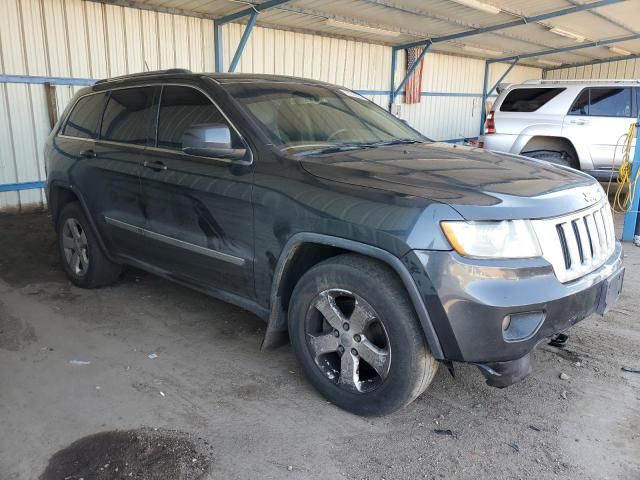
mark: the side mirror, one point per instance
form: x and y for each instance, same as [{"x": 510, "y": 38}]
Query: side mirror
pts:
[{"x": 211, "y": 140}]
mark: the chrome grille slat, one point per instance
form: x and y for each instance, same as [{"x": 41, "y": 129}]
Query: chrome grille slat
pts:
[
  {"x": 595, "y": 239},
  {"x": 586, "y": 238}
]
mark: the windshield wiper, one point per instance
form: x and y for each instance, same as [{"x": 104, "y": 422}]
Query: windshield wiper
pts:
[
  {"x": 398, "y": 141},
  {"x": 335, "y": 149}
]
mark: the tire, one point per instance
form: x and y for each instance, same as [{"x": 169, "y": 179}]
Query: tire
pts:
[
  {"x": 82, "y": 258},
  {"x": 365, "y": 303},
  {"x": 559, "y": 158}
]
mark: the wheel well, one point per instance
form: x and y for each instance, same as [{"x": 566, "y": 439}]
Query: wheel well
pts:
[
  {"x": 58, "y": 198},
  {"x": 555, "y": 144},
  {"x": 304, "y": 257}
]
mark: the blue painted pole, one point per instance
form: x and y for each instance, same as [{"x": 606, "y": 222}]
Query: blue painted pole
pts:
[
  {"x": 243, "y": 41},
  {"x": 394, "y": 61},
  {"x": 217, "y": 37},
  {"x": 483, "y": 107},
  {"x": 631, "y": 217}
]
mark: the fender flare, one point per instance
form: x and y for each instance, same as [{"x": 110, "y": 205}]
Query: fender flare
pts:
[
  {"x": 85, "y": 209},
  {"x": 277, "y": 321}
]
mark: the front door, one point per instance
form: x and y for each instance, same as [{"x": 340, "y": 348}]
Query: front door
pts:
[
  {"x": 199, "y": 215},
  {"x": 599, "y": 118}
]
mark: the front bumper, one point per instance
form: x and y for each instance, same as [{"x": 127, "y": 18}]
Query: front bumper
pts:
[{"x": 493, "y": 311}]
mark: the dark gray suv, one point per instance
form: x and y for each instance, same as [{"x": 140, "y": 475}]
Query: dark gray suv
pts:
[{"x": 378, "y": 253}]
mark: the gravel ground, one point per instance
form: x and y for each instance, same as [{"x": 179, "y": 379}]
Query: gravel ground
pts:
[{"x": 76, "y": 372}]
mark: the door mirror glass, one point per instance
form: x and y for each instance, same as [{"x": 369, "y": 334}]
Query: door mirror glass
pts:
[{"x": 211, "y": 140}]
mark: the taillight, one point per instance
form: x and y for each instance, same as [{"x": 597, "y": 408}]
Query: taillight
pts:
[{"x": 489, "y": 124}]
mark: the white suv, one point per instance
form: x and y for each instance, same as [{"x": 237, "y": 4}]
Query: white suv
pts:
[{"x": 579, "y": 123}]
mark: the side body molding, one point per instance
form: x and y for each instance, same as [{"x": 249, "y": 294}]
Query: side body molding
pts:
[{"x": 277, "y": 322}]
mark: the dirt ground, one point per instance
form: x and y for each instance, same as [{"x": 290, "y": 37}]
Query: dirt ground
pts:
[{"x": 253, "y": 414}]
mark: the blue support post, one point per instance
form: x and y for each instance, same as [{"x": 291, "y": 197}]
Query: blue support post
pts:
[
  {"x": 483, "y": 107},
  {"x": 631, "y": 217},
  {"x": 243, "y": 41},
  {"x": 487, "y": 93},
  {"x": 406, "y": 78},
  {"x": 217, "y": 29},
  {"x": 394, "y": 61}
]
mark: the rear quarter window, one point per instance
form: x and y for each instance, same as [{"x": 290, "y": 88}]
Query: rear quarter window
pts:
[
  {"x": 528, "y": 99},
  {"x": 84, "y": 120}
]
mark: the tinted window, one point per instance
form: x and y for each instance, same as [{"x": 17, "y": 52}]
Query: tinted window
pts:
[
  {"x": 127, "y": 117},
  {"x": 84, "y": 121},
  {"x": 581, "y": 105},
  {"x": 184, "y": 107},
  {"x": 610, "y": 102},
  {"x": 528, "y": 99}
]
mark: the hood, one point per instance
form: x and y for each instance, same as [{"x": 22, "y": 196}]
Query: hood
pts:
[{"x": 480, "y": 185}]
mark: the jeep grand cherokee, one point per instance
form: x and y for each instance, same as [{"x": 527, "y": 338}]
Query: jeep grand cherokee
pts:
[{"x": 378, "y": 253}]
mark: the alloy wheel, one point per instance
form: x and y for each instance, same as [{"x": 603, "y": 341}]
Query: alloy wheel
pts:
[
  {"x": 75, "y": 246},
  {"x": 347, "y": 340}
]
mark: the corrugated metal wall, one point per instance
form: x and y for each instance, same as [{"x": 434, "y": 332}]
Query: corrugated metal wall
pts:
[
  {"x": 622, "y": 69},
  {"x": 72, "y": 38},
  {"x": 87, "y": 40}
]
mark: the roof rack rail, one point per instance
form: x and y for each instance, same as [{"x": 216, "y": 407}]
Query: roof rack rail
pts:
[
  {"x": 585, "y": 80},
  {"x": 144, "y": 74}
]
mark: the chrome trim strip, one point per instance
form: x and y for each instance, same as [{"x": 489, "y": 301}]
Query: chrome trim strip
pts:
[{"x": 225, "y": 257}]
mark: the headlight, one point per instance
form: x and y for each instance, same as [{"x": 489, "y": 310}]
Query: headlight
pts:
[{"x": 506, "y": 239}]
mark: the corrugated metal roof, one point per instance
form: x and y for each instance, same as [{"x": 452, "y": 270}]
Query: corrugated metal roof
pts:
[{"x": 413, "y": 20}]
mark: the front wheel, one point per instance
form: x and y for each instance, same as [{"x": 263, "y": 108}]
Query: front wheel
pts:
[{"x": 357, "y": 338}]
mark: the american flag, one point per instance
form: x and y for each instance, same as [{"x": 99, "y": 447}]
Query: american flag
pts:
[{"x": 413, "y": 88}]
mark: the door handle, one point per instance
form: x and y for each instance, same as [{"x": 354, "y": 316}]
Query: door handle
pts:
[
  {"x": 578, "y": 122},
  {"x": 157, "y": 166},
  {"x": 88, "y": 154}
]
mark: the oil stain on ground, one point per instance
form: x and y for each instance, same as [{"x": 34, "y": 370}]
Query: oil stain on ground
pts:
[{"x": 143, "y": 454}]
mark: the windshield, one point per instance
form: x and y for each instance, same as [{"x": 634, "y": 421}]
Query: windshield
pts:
[{"x": 314, "y": 118}]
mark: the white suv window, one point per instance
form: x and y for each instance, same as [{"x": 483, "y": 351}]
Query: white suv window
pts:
[
  {"x": 604, "y": 102},
  {"x": 528, "y": 99}
]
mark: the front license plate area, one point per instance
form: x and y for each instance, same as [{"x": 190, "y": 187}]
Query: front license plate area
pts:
[{"x": 611, "y": 291}]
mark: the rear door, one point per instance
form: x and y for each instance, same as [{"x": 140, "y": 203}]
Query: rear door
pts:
[
  {"x": 198, "y": 210},
  {"x": 126, "y": 129},
  {"x": 106, "y": 147},
  {"x": 600, "y": 117}
]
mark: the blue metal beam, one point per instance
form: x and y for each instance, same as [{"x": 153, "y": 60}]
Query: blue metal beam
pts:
[
  {"x": 502, "y": 77},
  {"x": 217, "y": 39},
  {"x": 257, "y": 8},
  {"x": 540, "y": 53},
  {"x": 253, "y": 11},
  {"x": 16, "y": 187},
  {"x": 54, "y": 80},
  {"x": 394, "y": 61},
  {"x": 513, "y": 23},
  {"x": 594, "y": 62},
  {"x": 631, "y": 217},
  {"x": 396, "y": 92},
  {"x": 483, "y": 107},
  {"x": 243, "y": 41}
]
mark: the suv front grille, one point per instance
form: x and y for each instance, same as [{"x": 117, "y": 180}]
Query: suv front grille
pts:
[{"x": 578, "y": 243}]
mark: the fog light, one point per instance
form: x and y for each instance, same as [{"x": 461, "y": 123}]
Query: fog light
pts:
[{"x": 518, "y": 327}]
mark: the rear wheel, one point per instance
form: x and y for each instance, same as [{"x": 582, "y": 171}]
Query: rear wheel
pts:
[
  {"x": 559, "y": 158},
  {"x": 84, "y": 262},
  {"x": 355, "y": 333}
]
